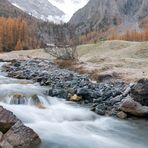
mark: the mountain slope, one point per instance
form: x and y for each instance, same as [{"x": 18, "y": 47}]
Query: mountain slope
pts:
[
  {"x": 41, "y": 9},
  {"x": 8, "y": 10},
  {"x": 102, "y": 15}
]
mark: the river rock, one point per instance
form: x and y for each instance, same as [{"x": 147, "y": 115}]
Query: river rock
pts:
[
  {"x": 13, "y": 133},
  {"x": 75, "y": 98},
  {"x": 21, "y": 136},
  {"x": 7, "y": 120},
  {"x": 85, "y": 93},
  {"x": 60, "y": 93},
  {"x": 100, "y": 109},
  {"x": 140, "y": 92},
  {"x": 134, "y": 108},
  {"x": 116, "y": 99},
  {"x": 121, "y": 115},
  {"x": 127, "y": 90},
  {"x": 71, "y": 91},
  {"x": 5, "y": 144}
]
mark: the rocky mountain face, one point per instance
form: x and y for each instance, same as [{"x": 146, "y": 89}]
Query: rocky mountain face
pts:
[
  {"x": 41, "y": 9},
  {"x": 8, "y": 10},
  {"x": 102, "y": 15}
]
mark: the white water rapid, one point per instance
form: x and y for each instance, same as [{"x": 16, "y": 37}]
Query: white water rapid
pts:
[{"x": 62, "y": 124}]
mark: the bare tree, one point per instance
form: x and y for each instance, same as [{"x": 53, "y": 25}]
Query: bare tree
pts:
[{"x": 62, "y": 52}]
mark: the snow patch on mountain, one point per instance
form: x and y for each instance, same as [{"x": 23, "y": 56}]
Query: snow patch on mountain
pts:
[
  {"x": 16, "y": 5},
  {"x": 41, "y": 9},
  {"x": 69, "y": 7},
  {"x": 50, "y": 10}
]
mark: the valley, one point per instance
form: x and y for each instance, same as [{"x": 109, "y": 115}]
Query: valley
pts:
[{"x": 73, "y": 73}]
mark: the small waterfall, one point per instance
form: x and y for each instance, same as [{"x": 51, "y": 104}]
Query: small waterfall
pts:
[
  {"x": 61, "y": 124},
  {"x": 19, "y": 99}
]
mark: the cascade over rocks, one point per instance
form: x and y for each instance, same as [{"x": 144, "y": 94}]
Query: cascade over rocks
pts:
[{"x": 13, "y": 133}]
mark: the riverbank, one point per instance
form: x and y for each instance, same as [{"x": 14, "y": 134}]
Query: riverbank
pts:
[
  {"x": 110, "y": 98},
  {"x": 60, "y": 123}
]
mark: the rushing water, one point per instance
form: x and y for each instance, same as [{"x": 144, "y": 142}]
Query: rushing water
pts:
[{"x": 62, "y": 124}]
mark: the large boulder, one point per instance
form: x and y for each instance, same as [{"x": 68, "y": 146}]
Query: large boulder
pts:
[
  {"x": 13, "y": 133},
  {"x": 140, "y": 92},
  {"x": 7, "y": 120},
  {"x": 21, "y": 136},
  {"x": 132, "y": 107}
]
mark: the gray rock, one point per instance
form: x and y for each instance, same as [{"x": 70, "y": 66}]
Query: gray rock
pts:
[
  {"x": 98, "y": 100},
  {"x": 134, "y": 108},
  {"x": 116, "y": 99},
  {"x": 5, "y": 144},
  {"x": 21, "y": 136},
  {"x": 139, "y": 92},
  {"x": 7, "y": 120},
  {"x": 84, "y": 93},
  {"x": 128, "y": 90},
  {"x": 121, "y": 115},
  {"x": 60, "y": 93},
  {"x": 15, "y": 134},
  {"x": 100, "y": 109}
]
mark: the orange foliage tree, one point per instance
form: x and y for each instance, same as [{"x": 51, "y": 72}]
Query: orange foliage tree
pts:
[
  {"x": 15, "y": 34},
  {"x": 132, "y": 36}
]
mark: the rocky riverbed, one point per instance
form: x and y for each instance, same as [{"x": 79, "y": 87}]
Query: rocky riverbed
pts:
[{"x": 106, "y": 98}]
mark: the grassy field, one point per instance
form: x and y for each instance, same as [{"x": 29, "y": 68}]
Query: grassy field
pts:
[
  {"x": 25, "y": 54},
  {"x": 128, "y": 60}
]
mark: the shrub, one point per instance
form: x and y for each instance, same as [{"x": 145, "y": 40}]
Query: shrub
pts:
[{"x": 64, "y": 52}]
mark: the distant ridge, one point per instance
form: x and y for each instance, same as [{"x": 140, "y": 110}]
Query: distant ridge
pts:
[{"x": 102, "y": 15}]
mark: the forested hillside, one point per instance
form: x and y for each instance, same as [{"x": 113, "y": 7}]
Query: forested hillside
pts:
[
  {"x": 8, "y": 10},
  {"x": 16, "y": 34},
  {"x": 19, "y": 31}
]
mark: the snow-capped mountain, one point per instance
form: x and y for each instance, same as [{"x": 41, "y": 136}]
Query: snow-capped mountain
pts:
[
  {"x": 41, "y": 9},
  {"x": 69, "y": 7},
  {"x": 51, "y": 10}
]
